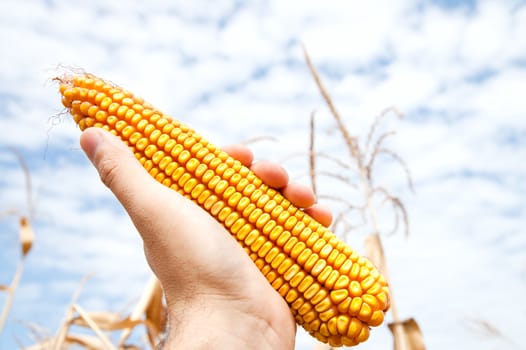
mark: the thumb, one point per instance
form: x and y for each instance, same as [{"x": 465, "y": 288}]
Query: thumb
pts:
[{"x": 119, "y": 170}]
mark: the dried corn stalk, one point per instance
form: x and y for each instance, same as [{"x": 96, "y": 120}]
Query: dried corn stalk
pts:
[
  {"x": 26, "y": 237},
  {"x": 407, "y": 335}
]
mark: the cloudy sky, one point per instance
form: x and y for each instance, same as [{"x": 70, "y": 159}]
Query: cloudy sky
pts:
[{"x": 234, "y": 70}]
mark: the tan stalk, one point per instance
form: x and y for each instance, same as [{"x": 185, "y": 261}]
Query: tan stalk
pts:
[
  {"x": 351, "y": 141},
  {"x": 373, "y": 241},
  {"x": 26, "y": 237},
  {"x": 141, "y": 307},
  {"x": 94, "y": 327},
  {"x": 11, "y": 290},
  {"x": 312, "y": 157},
  {"x": 60, "y": 339}
]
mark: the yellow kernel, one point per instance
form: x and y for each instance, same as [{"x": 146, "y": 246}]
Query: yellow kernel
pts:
[
  {"x": 262, "y": 252},
  {"x": 375, "y": 289},
  {"x": 284, "y": 266},
  {"x": 223, "y": 214},
  {"x": 356, "y": 304},
  {"x": 306, "y": 283},
  {"x": 290, "y": 243},
  {"x": 297, "y": 249},
  {"x": 309, "y": 316},
  {"x": 323, "y": 305},
  {"x": 291, "y": 296},
  {"x": 269, "y": 226},
  {"x": 355, "y": 327},
  {"x": 338, "y": 295},
  {"x": 262, "y": 220},
  {"x": 324, "y": 330},
  {"x": 237, "y": 225},
  {"x": 312, "y": 290},
  {"x": 355, "y": 271},
  {"x": 371, "y": 300},
  {"x": 310, "y": 261},
  {"x": 329, "y": 316},
  {"x": 318, "y": 267},
  {"x": 346, "y": 267},
  {"x": 291, "y": 272},
  {"x": 251, "y": 237},
  {"x": 257, "y": 244},
  {"x": 319, "y": 296},
  {"x": 342, "y": 282},
  {"x": 296, "y": 280},
  {"x": 331, "y": 280},
  {"x": 304, "y": 256},
  {"x": 304, "y": 308},
  {"x": 342, "y": 324},
  {"x": 367, "y": 283},
  {"x": 348, "y": 341},
  {"x": 277, "y": 283},
  {"x": 271, "y": 254},
  {"x": 243, "y": 232},
  {"x": 332, "y": 325},
  {"x": 343, "y": 306},
  {"x": 383, "y": 299},
  {"x": 322, "y": 277},
  {"x": 277, "y": 260},
  {"x": 282, "y": 239},
  {"x": 298, "y": 228},
  {"x": 355, "y": 289},
  {"x": 364, "y": 335}
]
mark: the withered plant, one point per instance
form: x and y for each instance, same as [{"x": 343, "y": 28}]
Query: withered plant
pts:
[
  {"x": 26, "y": 238},
  {"x": 355, "y": 170}
]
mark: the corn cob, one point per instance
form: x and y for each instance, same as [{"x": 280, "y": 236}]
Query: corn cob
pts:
[{"x": 333, "y": 292}]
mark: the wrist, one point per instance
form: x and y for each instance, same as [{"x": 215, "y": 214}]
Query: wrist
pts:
[{"x": 208, "y": 325}]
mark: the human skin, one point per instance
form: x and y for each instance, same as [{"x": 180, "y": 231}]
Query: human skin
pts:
[{"x": 216, "y": 297}]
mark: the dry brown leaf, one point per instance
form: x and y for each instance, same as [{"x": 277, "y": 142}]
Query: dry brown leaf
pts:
[
  {"x": 156, "y": 314},
  {"x": 94, "y": 327},
  {"x": 86, "y": 341},
  {"x": 89, "y": 342},
  {"x": 141, "y": 307},
  {"x": 407, "y": 335},
  {"x": 374, "y": 250},
  {"x": 63, "y": 331},
  {"x": 11, "y": 295},
  {"x": 27, "y": 236},
  {"x": 108, "y": 321}
]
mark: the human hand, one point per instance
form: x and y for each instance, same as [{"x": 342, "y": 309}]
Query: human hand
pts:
[{"x": 216, "y": 297}]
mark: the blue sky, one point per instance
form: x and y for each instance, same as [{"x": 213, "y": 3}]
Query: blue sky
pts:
[{"x": 234, "y": 70}]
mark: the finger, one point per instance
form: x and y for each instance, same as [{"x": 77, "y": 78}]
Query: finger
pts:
[
  {"x": 272, "y": 174},
  {"x": 320, "y": 213},
  {"x": 241, "y": 153},
  {"x": 299, "y": 195}
]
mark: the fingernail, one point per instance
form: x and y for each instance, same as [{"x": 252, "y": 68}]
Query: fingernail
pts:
[{"x": 89, "y": 141}]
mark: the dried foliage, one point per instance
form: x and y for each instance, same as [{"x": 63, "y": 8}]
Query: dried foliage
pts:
[
  {"x": 407, "y": 335},
  {"x": 486, "y": 329},
  {"x": 360, "y": 165},
  {"x": 26, "y": 236},
  {"x": 149, "y": 313}
]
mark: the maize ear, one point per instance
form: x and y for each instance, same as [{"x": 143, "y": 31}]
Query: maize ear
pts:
[{"x": 333, "y": 292}]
